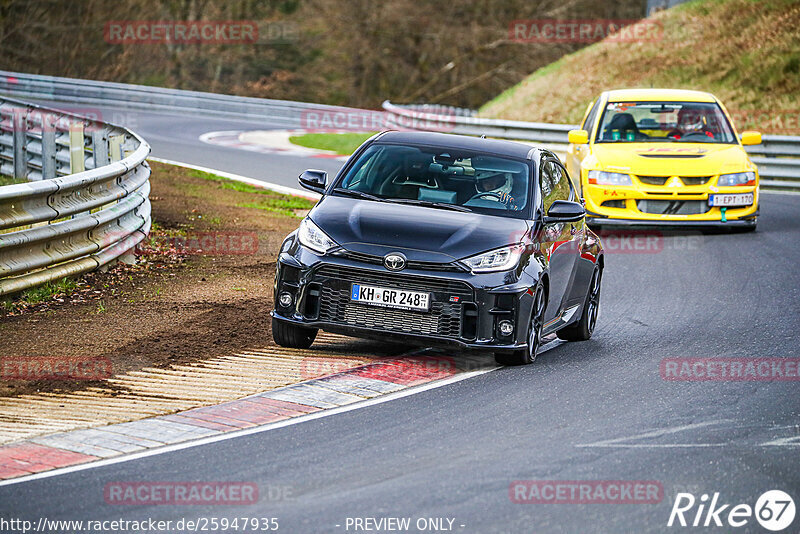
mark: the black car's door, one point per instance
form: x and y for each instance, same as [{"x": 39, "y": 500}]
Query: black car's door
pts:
[{"x": 560, "y": 241}]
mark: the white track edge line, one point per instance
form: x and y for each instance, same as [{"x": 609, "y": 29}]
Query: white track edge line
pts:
[
  {"x": 249, "y": 431},
  {"x": 244, "y": 179}
]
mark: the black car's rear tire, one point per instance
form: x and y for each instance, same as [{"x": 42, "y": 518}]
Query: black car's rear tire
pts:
[
  {"x": 528, "y": 355},
  {"x": 292, "y": 336},
  {"x": 583, "y": 329}
]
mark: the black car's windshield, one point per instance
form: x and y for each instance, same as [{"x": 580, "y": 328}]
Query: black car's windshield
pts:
[
  {"x": 664, "y": 122},
  {"x": 440, "y": 178}
]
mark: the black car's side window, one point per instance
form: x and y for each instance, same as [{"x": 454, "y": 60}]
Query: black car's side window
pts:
[{"x": 555, "y": 184}]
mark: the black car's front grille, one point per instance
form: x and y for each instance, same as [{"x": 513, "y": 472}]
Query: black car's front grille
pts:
[
  {"x": 444, "y": 319},
  {"x": 393, "y": 279},
  {"x": 419, "y": 265}
]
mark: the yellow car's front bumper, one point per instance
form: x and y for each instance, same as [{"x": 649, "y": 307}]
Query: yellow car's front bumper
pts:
[{"x": 643, "y": 203}]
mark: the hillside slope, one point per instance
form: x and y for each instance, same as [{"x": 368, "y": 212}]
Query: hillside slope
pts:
[{"x": 745, "y": 52}]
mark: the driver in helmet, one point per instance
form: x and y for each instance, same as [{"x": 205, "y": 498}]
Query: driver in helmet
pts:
[
  {"x": 690, "y": 120},
  {"x": 497, "y": 187}
]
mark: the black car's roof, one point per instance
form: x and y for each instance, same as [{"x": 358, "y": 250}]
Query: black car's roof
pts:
[{"x": 459, "y": 142}]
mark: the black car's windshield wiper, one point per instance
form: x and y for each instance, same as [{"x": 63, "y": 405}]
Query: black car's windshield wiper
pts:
[
  {"x": 357, "y": 194},
  {"x": 428, "y": 204}
]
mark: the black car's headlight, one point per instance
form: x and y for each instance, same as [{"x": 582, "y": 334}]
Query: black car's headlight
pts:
[
  {"x": 499, "y": 259},
  {"x": 313, "y": 238}
]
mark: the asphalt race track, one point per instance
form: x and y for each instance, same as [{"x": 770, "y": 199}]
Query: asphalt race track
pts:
[{"x": 597, "y": 410}]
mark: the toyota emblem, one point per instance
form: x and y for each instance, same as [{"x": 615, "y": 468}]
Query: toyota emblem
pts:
[{"x": 394, "y": 262}]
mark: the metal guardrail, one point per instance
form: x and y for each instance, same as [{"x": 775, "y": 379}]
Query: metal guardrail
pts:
[
  {"x": 777, "y": 157},
  {"x": 85, "y": 203},
  {"x": 286, "y": 113}
]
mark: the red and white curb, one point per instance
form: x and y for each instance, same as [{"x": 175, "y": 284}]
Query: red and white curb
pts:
[
  {"x": 355, "y": 388},
  {"x": 269, "y": 142},
  {"x": 64, "y": 449}
]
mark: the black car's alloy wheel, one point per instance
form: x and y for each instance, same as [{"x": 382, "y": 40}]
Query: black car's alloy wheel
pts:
[
  {"x": 583, "y": 329},
  {"x": 292, "y": 336},
  {"x": 528, "y": 355}
]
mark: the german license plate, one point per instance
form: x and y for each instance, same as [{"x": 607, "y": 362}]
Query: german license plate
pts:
[
  {"x": 730, "y": 199},
  {"x": 390, "y": 298}
]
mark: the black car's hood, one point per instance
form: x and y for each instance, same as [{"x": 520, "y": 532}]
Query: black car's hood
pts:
[{"x": 422, "y": 234}]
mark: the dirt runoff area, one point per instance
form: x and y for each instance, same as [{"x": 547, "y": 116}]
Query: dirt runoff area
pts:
[{"x": 201, "y": 288}]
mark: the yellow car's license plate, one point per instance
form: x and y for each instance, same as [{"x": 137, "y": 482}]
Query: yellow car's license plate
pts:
[{"x": 730, "y": 200}]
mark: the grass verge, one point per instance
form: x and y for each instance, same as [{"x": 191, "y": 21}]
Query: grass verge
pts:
[
  {"x": 744, "y": 52},
  {"x": 10, "y": 180},
  {"x": 267, "y": 200},
  {"x": 341, "y": 143}
]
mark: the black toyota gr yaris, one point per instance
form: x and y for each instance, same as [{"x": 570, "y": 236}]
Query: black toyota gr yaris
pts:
[{"x": 445, "y": 241}]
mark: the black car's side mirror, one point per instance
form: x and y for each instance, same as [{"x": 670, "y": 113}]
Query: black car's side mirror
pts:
[
  {"x": 564, "y": 211},
  {"x": 314, "y": 180}
]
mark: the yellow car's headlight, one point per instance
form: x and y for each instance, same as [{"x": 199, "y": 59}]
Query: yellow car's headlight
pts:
[
  {"x": 737, "y": 178},
  {"x": 609, "y": 178}
]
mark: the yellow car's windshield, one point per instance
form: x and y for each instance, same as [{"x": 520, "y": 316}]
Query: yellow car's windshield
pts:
[{"x": 665, "y": 122}]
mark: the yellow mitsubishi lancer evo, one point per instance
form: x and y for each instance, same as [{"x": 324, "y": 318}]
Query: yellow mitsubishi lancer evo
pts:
[{"x": 661, "y": 156}]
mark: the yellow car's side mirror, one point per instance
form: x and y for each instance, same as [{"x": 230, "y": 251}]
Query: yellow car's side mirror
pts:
[
  {"x": 751, "y": 138},
  {"x": 581, "y": 137}
]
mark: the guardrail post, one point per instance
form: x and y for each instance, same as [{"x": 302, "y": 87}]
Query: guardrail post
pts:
[
  {"x": 20, "y": 123},
  {"x": 76, "y": 153},
  {"x": 100, "y": 147},
  {"x": 115, "y": 147},
  {"x": 48, "y": 146}
]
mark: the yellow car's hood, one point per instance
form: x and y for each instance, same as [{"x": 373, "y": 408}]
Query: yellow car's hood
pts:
[{"x": 671, "y": 159}]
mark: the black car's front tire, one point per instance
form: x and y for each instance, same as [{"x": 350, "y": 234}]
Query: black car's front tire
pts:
[
  {"x": 292, "y": 336},
  {"x": 583, "y": 329},
  {"x": 528, "y": 355}
]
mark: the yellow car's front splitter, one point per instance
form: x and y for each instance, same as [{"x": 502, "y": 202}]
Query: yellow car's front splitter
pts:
[{"x": 630, "y": 206}]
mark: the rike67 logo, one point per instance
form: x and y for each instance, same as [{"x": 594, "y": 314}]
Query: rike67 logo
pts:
[{"x": 774, "y": 510}]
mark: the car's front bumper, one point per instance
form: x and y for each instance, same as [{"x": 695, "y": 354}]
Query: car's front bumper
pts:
[
  {"x": 403, "y": 337},
  {"x": 640, "y": 205},
  {"x": 465, "y": 313},
  {"x": 599, "y": 220}
]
